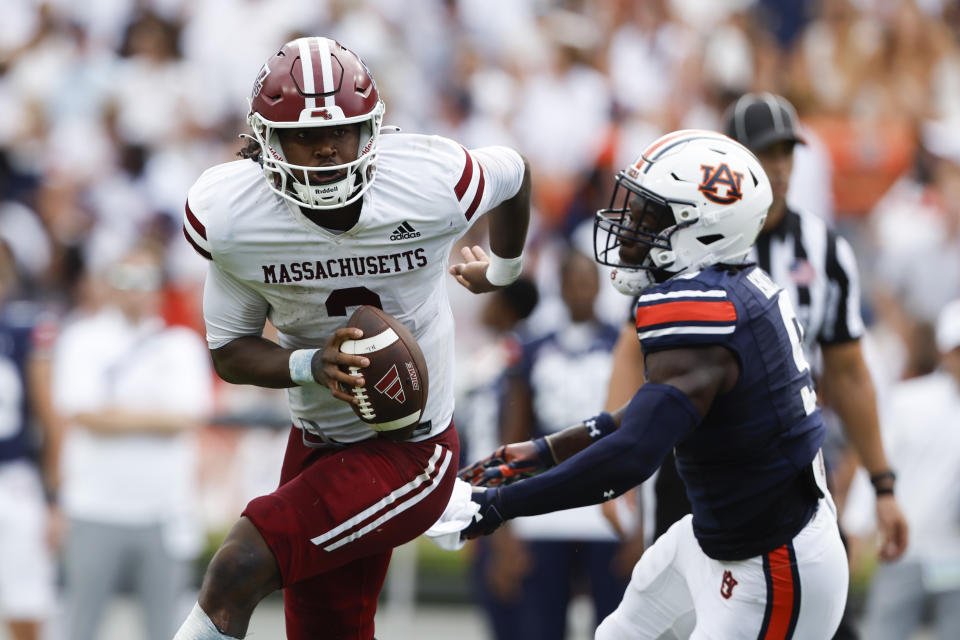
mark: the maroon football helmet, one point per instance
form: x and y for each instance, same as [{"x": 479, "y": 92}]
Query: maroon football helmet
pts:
[{"x": 315, "y": 82}]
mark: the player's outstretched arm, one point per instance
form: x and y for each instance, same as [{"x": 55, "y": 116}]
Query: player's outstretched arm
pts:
[
  {"x": 513, "y": 462},
  {"x": 683, "y": 384}
]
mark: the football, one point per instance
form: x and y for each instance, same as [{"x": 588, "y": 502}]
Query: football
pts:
[{"x": 395, "y": 391}]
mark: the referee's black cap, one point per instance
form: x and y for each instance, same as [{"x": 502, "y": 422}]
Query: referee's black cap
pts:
[{"x": 758, "y": 120}]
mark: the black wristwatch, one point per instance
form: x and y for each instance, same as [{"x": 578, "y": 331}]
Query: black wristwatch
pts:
[{"x": 883, "y": 481}]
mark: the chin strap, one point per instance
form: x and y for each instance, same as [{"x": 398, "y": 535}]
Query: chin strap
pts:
[
  {"x": 327, "y": 194},
  {"x": 631, "y": 282}
]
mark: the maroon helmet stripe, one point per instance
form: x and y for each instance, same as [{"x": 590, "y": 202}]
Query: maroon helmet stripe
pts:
[
  {"x": 477, "y": 198},
  {"x": 199, "y": 228},
  {"x": 465, "y": 178},
  {"x": 203, "y": 252}
]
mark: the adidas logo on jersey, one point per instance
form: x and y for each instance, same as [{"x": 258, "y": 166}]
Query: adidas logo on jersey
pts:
[{"x": 404, "y": 232}]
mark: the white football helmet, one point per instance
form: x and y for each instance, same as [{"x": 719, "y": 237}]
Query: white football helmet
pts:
[
  {"x": 692, "y": 199},
  {"x": 315, "y": 82}
]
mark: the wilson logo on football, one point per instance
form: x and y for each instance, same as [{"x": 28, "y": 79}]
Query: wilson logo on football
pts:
[
  {"x": 390, "y": 385},
  {"x": 722, "y": 177}
]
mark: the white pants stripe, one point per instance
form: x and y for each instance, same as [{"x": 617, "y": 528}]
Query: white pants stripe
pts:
[{"x": 402, "y": 498}]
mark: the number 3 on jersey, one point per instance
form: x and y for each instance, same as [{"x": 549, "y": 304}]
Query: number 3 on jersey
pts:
[{"x": 794, "y": 331}]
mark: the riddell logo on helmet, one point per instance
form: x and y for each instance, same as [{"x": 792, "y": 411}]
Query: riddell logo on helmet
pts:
[
  {"x": 367, "y": 147},
  {"x": 723, "y": 177}
]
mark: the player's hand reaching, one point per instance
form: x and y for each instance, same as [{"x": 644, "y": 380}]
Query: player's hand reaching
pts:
[
  {"x": 510, "y": 463},
  {"x": 472, "y": 272},
  {"x": 490, "y": 516},
  {"x": 326, "y": 369}
]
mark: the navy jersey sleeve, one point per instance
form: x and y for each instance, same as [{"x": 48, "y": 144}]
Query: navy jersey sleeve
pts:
[{"x": 684, "y": 313}]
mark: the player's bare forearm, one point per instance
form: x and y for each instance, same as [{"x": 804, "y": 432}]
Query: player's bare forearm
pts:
[
  {"x": 627, "y": 373},
  {"x": 509, "y": 220},
  {"x": 253, "y": 360},
  {"x": 569, "y": 442},
  {"x": 257, "y": 361},
  {"x": 851, "y": 394},
  {"x": 517, "y": 422}
]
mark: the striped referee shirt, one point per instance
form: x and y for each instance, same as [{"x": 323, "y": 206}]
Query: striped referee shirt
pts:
[{"x": 818, "y": 269}]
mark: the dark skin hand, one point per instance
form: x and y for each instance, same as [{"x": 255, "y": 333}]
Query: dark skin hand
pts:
[{"x": 258, "y": 361}]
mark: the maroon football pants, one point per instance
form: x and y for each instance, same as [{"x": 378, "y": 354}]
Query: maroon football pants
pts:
[{"x": 336, "y": 517}]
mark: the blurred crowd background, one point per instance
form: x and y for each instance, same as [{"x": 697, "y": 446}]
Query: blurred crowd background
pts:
[{"x": 110, "y": 109}]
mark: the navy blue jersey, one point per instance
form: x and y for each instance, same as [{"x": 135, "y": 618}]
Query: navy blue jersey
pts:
[
  {"x": 15, "y": 344},
  {"x": 746, "y": 467}
]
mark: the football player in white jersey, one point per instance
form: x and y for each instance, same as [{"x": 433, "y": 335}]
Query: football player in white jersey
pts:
[{"x": 324, "y": 213}]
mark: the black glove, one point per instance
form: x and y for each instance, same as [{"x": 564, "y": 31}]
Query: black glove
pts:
[
  {"x": 510, "y": 463},
  {"x": 490, "y": 516}
]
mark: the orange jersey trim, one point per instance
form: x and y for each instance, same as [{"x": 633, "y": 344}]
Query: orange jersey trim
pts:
[{"x": 693, "y": 311}]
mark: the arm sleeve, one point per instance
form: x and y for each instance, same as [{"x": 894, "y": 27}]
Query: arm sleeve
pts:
[
  {"x": 843, "y": 321},
  {"x": 231, "y": 309},
  {"x": 656, "y": 419}
]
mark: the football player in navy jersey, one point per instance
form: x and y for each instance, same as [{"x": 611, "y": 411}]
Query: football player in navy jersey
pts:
[{"x": 728, "y": 387}]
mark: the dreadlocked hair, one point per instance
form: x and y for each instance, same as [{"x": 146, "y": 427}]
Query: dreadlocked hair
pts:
[{"x": 251, "y": 150}]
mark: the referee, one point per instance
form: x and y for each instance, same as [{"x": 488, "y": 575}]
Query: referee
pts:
[{"x": 817, "y": 267}]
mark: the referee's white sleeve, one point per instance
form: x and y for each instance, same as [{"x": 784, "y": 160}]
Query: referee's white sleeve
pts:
[{"x": 231, "y": 309}]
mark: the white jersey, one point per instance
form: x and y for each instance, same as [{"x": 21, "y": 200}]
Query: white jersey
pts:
[{"x": 268, "y": 260}]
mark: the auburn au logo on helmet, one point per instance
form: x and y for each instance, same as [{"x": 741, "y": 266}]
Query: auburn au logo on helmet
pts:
[{"x": 718, "y": 177}]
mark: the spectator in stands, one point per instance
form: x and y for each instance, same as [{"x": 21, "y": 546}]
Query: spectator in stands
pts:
[{"x": 129, "y": 389}]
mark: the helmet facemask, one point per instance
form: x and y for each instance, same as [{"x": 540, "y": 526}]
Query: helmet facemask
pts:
[
  {"x": 692, "y": 199},
  {"x": 633, "y": 234},
  {"x": 303, "y": 185}
]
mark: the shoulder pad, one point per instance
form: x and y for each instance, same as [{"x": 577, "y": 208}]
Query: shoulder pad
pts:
[
  {"x": 684, "y": 312},
  {"x": 196, "y": 216}
]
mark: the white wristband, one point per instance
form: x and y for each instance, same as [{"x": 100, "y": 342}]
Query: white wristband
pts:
[
  {"x": 503, "y": 271},
  {"x": 301, "y": 371}
]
